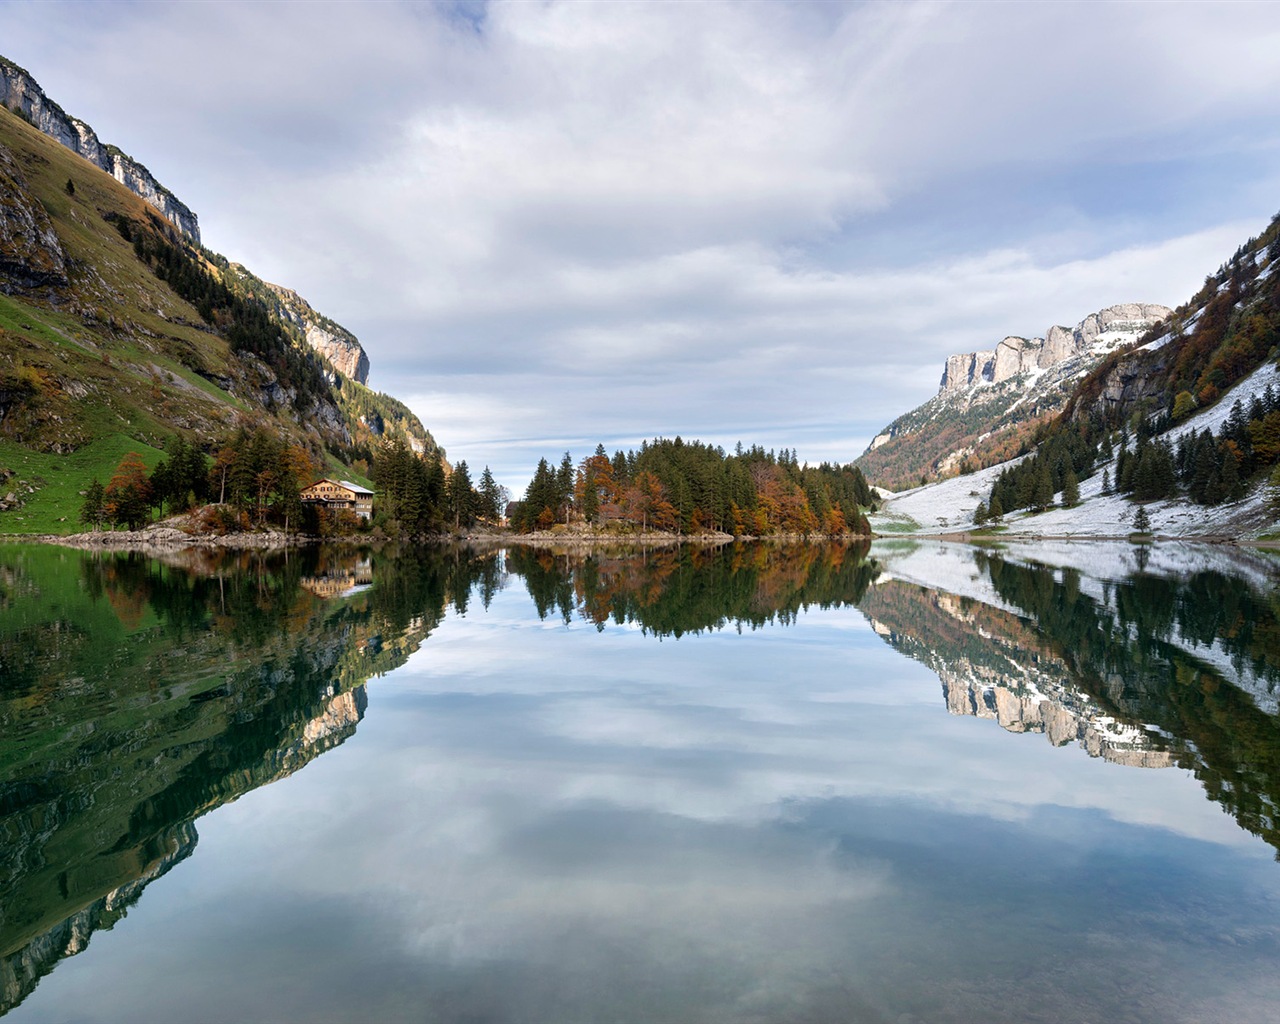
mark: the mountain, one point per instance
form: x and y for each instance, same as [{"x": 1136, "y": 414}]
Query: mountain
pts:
[
  {"x": 990, "y": 402},
  {"x": 1159, "y": 656},
  {"x": 331, "y": 340},
  {"x": 118, "y": 330},
  {"x": 20, "y": 93},
  {"x": 1177, "y": 434},
  {"x": 1228, "y": 330}
]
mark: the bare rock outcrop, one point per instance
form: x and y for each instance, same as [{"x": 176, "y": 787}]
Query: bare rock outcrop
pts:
[
  {"x": 1104, "y": 330},
  {"x": 331, "y": 340},
  {"x": 22, "y": 94},
  {"x": 30, "y": 254}
]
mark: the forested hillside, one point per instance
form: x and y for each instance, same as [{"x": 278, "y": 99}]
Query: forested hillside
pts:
[
  {"x": 691, "y": 487},
  {"x": 1132, "y": 419}
]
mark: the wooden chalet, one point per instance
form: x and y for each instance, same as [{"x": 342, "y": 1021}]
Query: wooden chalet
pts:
[{"x": 340, "y": 494}]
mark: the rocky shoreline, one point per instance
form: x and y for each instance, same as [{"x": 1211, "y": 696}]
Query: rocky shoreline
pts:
[{"x": 164, "y": 539}]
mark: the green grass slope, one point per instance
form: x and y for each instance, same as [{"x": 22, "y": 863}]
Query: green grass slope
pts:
[{"x": 113, "y": 359}]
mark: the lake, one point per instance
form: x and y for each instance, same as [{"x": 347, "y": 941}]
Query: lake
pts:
[{"x": 911, "y": 782}]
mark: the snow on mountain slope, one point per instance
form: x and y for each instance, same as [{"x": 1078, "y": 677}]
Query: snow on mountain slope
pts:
[
  {"x": 949, "y": 506},
  {"x": 990, "y": 401}
]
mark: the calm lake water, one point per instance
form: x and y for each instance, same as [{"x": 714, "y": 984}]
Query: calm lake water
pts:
[{"x": 920, "y": 782}]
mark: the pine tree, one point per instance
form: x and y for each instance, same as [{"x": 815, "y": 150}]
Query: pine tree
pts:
[
  {"x": 1142, "y": 521},
  {"x": 1070, "y": 490},
  {"x": 1230, "y": 474},
  {"x": 491, "y": 503},
  {"x": 93, "y": 511},
  {"x": 590, "y": 495},
  {"x": 539, "y": 496},
  {"x": 1042, "y": 493},
  {"x": 460, "y": 497},
  {"x": 564, "y": 487}
]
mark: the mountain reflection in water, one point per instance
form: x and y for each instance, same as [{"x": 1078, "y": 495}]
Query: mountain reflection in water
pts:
[
  {"x": 1156, "y": 666},
  {"x": 136, "y": 695}
]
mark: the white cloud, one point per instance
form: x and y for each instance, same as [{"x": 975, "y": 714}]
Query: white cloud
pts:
[{"x": 574, "y": 221}]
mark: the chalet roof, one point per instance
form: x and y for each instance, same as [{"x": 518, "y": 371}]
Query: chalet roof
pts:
[{"x": 356, "y": 488}]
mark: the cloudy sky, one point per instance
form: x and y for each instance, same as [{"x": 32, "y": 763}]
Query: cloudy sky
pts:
[{"x": 553, "y": 224}]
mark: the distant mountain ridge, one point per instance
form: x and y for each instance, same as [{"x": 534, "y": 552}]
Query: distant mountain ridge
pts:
[
  {"x": 989, "y": 402},
  {"x": 1098, "y": 332}
]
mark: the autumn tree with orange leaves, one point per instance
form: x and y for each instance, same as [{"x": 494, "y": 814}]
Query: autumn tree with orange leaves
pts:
[{"x": 127, "y": 498}]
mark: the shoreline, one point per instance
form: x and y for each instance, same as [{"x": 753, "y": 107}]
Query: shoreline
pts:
[{"x": 161, "y": 539}]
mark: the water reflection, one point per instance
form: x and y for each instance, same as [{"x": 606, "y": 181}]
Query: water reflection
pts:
[
  {"x": 674, "y": 591},
  {"x": 136, "y": 696},
  {"x": 995, "y": 664},
  {"x": 1175, "y": 663}
]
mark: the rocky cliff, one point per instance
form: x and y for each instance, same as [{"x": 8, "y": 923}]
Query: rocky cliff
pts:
[
  {"x": 23, "y": 95},
  {"x": 30, "y": 254},
  {"x": 990, "y": 402},
  {"x": 1099, "y": 332},
  {"x": 992, "y": 665},
  {"x": 331, "y": 340}
]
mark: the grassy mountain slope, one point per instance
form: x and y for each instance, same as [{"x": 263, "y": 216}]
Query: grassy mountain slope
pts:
[{"x": 101, "y": 353}]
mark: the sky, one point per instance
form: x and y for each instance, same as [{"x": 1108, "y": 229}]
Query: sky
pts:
[{"x": 560, "y": 224}]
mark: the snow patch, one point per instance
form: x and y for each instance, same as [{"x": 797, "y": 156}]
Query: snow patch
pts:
[{"x": 948, "y": 506}]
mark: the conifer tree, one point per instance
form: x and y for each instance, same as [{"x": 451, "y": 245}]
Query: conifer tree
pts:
[
  {"x": 491, "y": 503},
  {"x": 564, "y": 487},
  {"x": 93, "y": 511},
  {"x": 460, "y": 497},
  {"x": 1042, "y": 494},
  {"x": 1070, "y": 490}
]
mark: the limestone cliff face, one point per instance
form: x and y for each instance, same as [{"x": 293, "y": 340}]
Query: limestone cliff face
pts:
[
  {"x": 992, "y": 665},
  {"x": 20, "y": 92},
  {"x": 991, "y": 401},
  {"x": 30, "y": 254},
  {"x": 1106, "y": 329},
  {"x": 331, "y": 340}
]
